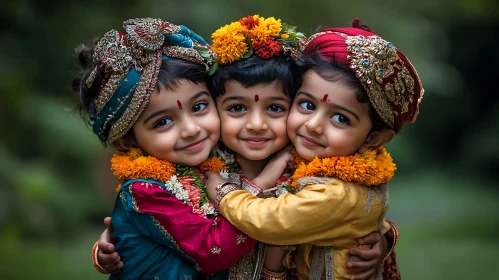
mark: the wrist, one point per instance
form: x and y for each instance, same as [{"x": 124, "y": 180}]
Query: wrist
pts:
[
  {"x": 95, "y": 259},
  {"x": 223, "y": 188},
  {"x": 392, "y": 237}
]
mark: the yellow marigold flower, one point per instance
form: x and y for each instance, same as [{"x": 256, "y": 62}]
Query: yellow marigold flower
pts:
[
  {"x": 265, "y": 28},
  {"x": 284, "y": 36},
  {"x": 229, "y": 42}
]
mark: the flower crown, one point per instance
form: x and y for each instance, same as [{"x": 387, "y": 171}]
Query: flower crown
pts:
[{"x": 265, "y": 37}]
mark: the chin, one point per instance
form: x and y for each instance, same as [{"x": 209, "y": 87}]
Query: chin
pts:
[
  {"x": 255, "y": 156},
  {"x": 306, "y": 154}
]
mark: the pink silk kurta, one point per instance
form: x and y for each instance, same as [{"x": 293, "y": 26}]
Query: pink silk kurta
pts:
[{"x": 213, "y": 243}]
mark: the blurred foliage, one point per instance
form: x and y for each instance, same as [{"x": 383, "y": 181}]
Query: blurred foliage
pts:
[{"x": 56, "y": 185}]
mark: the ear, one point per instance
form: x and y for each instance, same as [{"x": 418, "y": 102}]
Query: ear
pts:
[
  {"x": 376, "y": 139},
  {"x": 123, "y": 144}
]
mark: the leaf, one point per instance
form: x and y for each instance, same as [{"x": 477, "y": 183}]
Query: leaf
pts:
[
  {"x": 203, "y": 51},
  {"x": 286, "y": 28},
  {"x": 249, "y": 43},
  {"x": 248, "y": 53},
  {"x": 213, "y": 69}
]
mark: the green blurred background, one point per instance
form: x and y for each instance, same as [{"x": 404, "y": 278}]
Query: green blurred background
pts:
[{"x": 56, "y": 185}]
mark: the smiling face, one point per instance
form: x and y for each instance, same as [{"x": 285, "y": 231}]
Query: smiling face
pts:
[
  {"x": 253, "y": 119},
  {"x": 326, "y": 119},
  {"x": 180, "y": 126}
]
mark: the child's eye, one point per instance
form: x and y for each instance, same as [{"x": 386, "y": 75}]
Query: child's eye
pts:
[
  {"x": 237, "y": 109},
  {"x": 163, "y": 122},
  {"x": 200, "y": 106},
  {"x": 307, "y": 105},
  {"x": 275, "y": 108},
  {"x": 341, "y": 119}
]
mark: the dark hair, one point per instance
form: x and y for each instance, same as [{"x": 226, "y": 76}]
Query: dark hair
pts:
[
  {"x": 171, "y": 71},
  {"x": 255, "y": 71},
  {"x": 332, "y": 71}
]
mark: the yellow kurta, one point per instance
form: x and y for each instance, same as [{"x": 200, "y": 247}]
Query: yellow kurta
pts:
[{"x": 331, "y": 215}]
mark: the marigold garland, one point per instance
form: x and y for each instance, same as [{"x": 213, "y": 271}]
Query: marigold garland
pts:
[
  {"x": 371, "y": 168},
  {"x": 136, "y": 165},
  {"x": 179, "y": 179}
]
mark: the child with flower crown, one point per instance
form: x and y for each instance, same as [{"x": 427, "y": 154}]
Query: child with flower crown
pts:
[
  {"x": 253, "y": 86},
  {"x": 145, "y": 94},
  {"x": 357, "y": 92}
]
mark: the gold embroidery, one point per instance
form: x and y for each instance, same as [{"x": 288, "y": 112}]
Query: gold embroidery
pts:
[
  {"x": 241, "y": 239},
  {"x": 370, "y": 199},
  {"x": 215, "y": 250}
]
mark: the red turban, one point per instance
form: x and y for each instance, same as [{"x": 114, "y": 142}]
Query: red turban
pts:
[{"x": 390, "y": 80}]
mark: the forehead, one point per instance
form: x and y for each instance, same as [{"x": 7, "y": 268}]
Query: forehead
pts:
[
  {"x": 334, "y": 92},
  {"x": 183, "y": 92},
  {"x": 234, "y": 88}
]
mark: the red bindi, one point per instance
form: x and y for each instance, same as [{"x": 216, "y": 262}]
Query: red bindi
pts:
[
  {"x": 257, "y": 98},
  {"x": 324, "y": 99},
  {"x": 179, "y": 104}
]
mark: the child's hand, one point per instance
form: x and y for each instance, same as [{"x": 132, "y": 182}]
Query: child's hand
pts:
[
  {"x": 364, "y": 264},
  {"x": 212, "y": 180},
  {"x": 274, "y": 256},
  {"x": 273, "y": 170},
  {"x": 108, "y": 258}
]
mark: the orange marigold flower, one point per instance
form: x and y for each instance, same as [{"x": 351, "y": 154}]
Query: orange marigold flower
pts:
[
  {"x": 371, "y": 168},
  {"x": 229, "y": 42},
  {"x": 267, "y": 49},
  {"x": 131, "y": 166},
  {"x": 213, "y": 164},
  {"x": 284, "y": 36}
]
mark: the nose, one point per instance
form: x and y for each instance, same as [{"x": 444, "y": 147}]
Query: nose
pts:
[
  {"x": 189, "y": 127},
  {"x": 256, "y": 122},
  {"x": 315, "y": 123}
]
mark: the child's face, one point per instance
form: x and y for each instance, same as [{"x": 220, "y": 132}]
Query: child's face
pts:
[
  {"x": 326, "y": 119},
  {"x": 179, "y": 126},
  {"x": 253, "y": 120}
]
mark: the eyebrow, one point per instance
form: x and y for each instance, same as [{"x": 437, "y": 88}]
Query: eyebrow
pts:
[
  {"x": 230, "y": 98},
  {"x": 329, "y": 104},
  {"x": 159, "y": 112}
]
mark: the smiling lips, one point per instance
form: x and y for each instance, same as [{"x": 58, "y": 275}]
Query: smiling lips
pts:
[
  {"x": 194, "y": 147},
  {"x": 309, "y": 142},
  {"x": 256, "y": 142}
]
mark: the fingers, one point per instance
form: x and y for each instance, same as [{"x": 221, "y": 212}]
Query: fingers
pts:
[
  {"x": 108, "y": 222},
  {"x": 364, "y": 275},
  {"x": 371, "y": 238},
  {"x": 114, "y": 267},
  {"x": 367, "y": 255},
  {"x": 105, "y": 242},
  {"x": 362, "y": 266}
]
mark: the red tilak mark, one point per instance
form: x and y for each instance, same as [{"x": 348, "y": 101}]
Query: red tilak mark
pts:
[
  {"x": 179, "y": 104},
  {"x": 324, "y": 99},
  {"x": 257, "y": 98}
]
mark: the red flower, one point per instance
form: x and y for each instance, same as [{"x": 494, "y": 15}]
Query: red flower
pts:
[
  {"x": 249, "y": 22},
  {"x": 267, "y": 49}
]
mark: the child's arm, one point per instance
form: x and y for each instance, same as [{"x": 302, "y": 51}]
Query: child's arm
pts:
[
  {"x": 317, "y": 214},
  {"x": 273, "y": 170},
  {"x": 213, "y": 244}
]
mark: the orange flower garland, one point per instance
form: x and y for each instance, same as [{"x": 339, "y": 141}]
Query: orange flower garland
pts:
[
  {"x": 371, "y": 168},
  {"x": 136, "y": 165}
]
